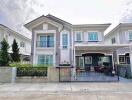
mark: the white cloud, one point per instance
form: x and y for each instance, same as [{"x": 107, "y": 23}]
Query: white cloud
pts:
[
  {"x": 15, "y": 13},
  {"x": 127, "y": 15}
]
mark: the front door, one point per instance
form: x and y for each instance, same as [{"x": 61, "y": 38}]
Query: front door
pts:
[
  {"x": 88, "y": 61},
  {"x": 81, "y": 62}
]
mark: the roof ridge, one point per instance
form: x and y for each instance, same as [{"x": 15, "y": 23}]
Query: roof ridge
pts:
[{"x": 14, "y": 31}]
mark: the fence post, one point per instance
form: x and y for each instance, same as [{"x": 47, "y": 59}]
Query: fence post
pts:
[
  {"x": 53, "y": 74},
  {"x": 14, "y": 71}
]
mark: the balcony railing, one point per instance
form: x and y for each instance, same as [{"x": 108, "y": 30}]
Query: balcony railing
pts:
[{"x": 45, "y": 44}]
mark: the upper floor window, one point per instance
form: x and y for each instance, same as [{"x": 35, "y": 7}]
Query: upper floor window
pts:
[
  {"x": 64, "y": 40},
  {"x": 46, "y": 41},
  {"x": 130, "y": 35},
  {"x": 45, "y": 26},
  {"x": 78, "y": 37},
  {"x": 22, "y": 44},
  {"x": 92, "y": 36},
  {"x": 113, "y": 40}
]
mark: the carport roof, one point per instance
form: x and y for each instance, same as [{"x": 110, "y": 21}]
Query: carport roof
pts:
[{"x": 101, "y": 47}]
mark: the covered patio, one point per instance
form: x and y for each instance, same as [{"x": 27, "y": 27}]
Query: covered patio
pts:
[{"x": 96, "y": 62}]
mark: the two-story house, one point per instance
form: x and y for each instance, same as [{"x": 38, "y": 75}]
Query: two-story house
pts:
[
  {"x": 121, "y": 34},
  {"x": 24, "y": 43},
  {"x": 57, "y": 42}
]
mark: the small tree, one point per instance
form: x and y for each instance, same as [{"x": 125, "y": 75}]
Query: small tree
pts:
[
  {"x": 4, "y": 55},
  {"x": 15, "y": 52}
]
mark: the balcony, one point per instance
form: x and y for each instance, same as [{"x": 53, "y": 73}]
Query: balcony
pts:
[{"x": 45, "y": 44}]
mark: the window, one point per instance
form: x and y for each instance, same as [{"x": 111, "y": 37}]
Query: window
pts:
[
  {"x": 92, "y": 36},
  {"x": 22, "y": 44},
  {"x": 78, "y": 36},
  {"x": 81, "y": 62},
  {"x": 64, "y": 40},
  {"x": 6, "y": 37},
  {"x": 88, "y": 60},
  {"x": 45, "y": 59},
  {"x": 113, "y": 40},
  {"x": 43, "y": 41},
  {"x": 122, "y": 59},
  {"x": 46, "y": 41},
  {"x": 130, "y": 35},
  {"x": 45, "y": 26}
]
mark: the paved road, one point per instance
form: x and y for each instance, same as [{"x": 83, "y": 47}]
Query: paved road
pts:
[{"x": 66, "y": 91}]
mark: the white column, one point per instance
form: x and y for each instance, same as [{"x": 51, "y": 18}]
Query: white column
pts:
[
  {"x": 130, "y": 58},
  {"x": 74, "y": 69},
  {"x": 54, "y": 55},
  {"x": 72, "y": 47},
  {"x": 74, "y": 58},
  {"x": 114, "y": 60}
]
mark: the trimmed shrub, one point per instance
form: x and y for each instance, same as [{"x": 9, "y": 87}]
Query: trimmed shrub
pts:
[
  {"x": 16, "y": 64},
  {"x": 31, "y": 71}
]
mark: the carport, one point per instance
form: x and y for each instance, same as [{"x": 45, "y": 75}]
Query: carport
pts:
[{"x": 93, "y": 67}]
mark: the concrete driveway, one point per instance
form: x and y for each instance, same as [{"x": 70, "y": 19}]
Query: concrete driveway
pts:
[{"x": 66, "y": 91}]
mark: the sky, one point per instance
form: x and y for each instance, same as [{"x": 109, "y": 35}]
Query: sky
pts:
[{"x": 16, "y": 13}]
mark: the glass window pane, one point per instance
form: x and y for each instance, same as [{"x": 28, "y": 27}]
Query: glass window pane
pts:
[
  {"x": 49, "y": 59},
  {"x": 65, "y": 40},
  {"x": 92, "y": 36},
  {"x": 45, "y": 59},
  {"x": 41, "y": 59},
  {"x": 130, "y": 35},
  {"x": 81, "y": 61},
  {"x": 50, "y": 41},
  {"x": 88, "y": 60},
  {"x": 113, "y": 40},
  {"x": 121, "y": 58},
  {"x": 43, "y": 41},
  {"x": 78, "y": 36}
]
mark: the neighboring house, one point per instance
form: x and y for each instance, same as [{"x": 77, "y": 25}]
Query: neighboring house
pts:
[
  {"x": 57, "y": 42},
  {"x": 24, "y": 43},
  {"x": 121, "y": 34}
]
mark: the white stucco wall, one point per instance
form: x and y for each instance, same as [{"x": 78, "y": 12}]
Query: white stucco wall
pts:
[{"x": 65, "y": 53}]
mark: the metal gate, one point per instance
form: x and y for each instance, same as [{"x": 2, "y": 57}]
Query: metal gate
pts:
[{"x": 94, "y": 74}]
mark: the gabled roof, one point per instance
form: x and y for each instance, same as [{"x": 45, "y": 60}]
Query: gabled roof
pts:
[
  {"x": 49, "y": 17},
  {"x": 57, "y": 19},
  {"x": 118, "y": 26},
  {"x": 15, "y": 32},
  {"x": 92, "y": 25},
  {"x": 27, "y": 24},
  {"x": 62, "y": 22}
]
